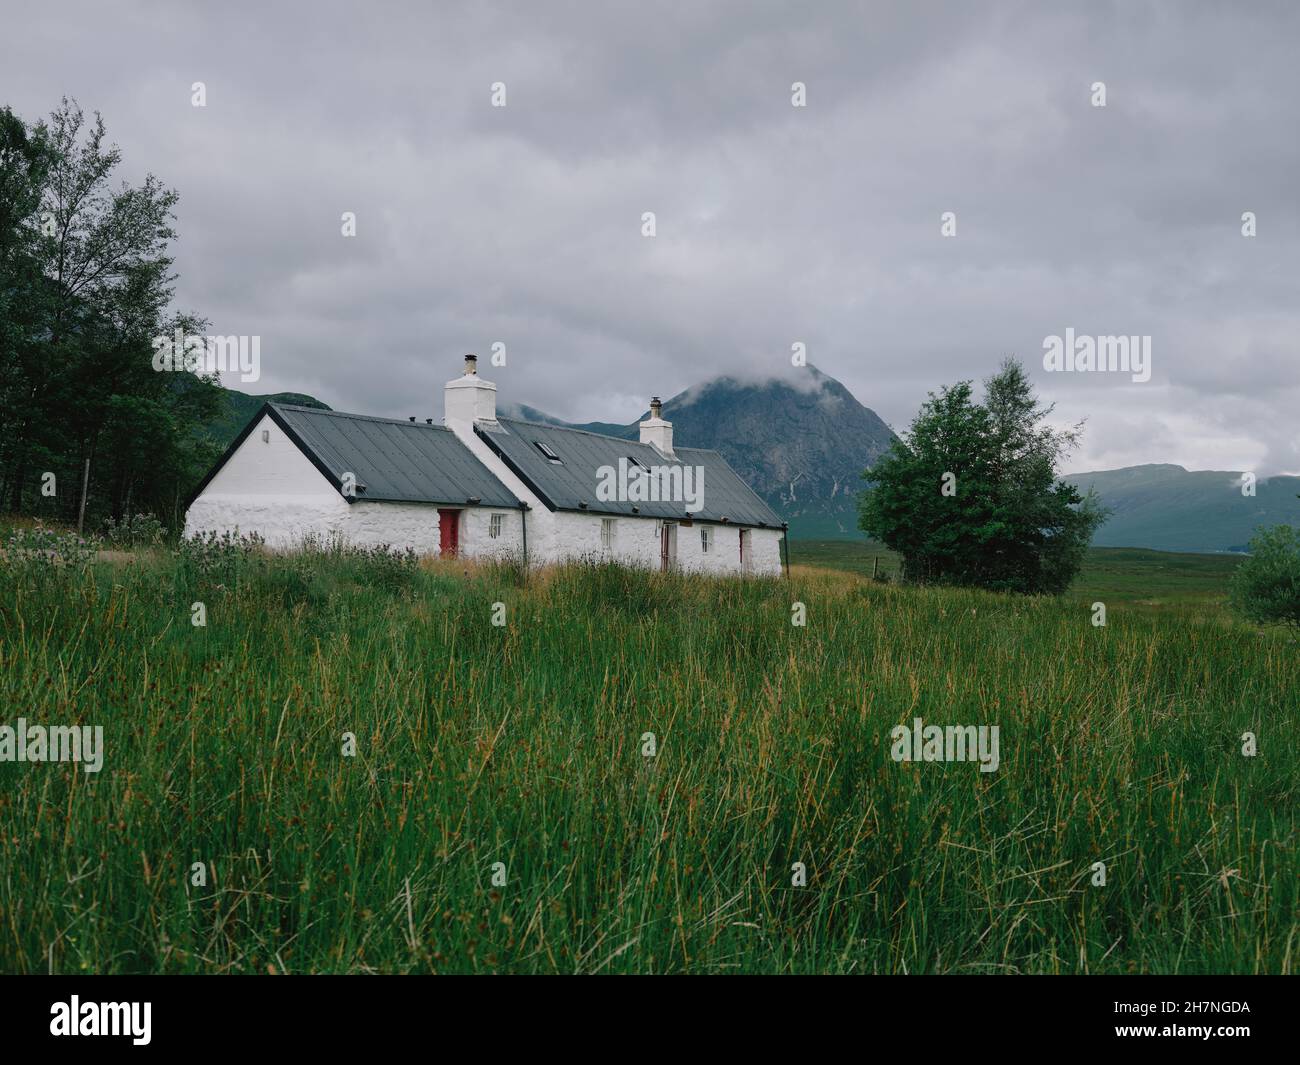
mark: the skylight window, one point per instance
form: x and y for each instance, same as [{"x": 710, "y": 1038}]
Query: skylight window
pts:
[{"x": 545, "y": 449}]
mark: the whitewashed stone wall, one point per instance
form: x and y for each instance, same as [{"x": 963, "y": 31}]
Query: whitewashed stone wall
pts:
[
  {"x": 723, "y": 555},
  {"x": 416, "y": 525},
  {"x": 475, "y": 538},
  {"x": 271, "y": 488},
  {"x": 767, "y": 551},
  {"x": 637, "y": 543}
]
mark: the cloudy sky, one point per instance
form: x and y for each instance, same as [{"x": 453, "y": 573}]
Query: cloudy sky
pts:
[{"x": 775, "y": 224}]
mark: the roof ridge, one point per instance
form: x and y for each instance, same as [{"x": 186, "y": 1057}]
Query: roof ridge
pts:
[
  {"x": 359, "y": 417},
  {"x": 573, "y": 429},
  {"x": 617, "y": 439}
]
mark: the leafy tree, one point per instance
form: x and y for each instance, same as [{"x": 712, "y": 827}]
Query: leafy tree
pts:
[
  {"x": 86, "y": 284},
  {"x": 1266, "y": 587},
  {"x": 969, "y": 495},
  {"x": 25, "y": 161}
]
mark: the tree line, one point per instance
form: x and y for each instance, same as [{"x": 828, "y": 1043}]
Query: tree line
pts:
[{"x": 88, "y": 429}]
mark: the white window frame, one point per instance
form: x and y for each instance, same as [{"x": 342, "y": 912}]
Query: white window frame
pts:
[
  {"x": 496, "y": 526},
  {"x": 706, "y": 539},
  {"x": 608, "y": 533}
]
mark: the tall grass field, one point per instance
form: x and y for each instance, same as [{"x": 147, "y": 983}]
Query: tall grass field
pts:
[{"x": 636, "y": 772}]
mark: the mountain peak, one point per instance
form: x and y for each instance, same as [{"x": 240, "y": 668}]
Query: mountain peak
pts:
[{"x": 807, "y": 380}]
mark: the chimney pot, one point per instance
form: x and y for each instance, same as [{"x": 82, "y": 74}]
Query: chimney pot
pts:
[
  {"x": 657, "y": 432},
  {"x": 471, "y": 364},
  {"x": 411, "y": 419}
]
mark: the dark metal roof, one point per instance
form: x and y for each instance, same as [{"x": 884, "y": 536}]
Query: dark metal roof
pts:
[
  {"x": 393, "y": 461},
  {"x": 572, "y": 482}
]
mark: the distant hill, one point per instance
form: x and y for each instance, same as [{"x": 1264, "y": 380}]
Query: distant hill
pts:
[
  {"x": 240, "y": 408},
  {"x": 1172, "y": 509}
]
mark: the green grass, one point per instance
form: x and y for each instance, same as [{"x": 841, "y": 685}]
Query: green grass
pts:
[
  {"x": 862, "y": 557},
  {"x": 1133, "y": 576},
  {"x": 522, "y": 745}
]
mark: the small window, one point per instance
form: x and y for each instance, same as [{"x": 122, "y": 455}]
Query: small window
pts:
[
  {"x": 494, "y": 525},
  {"x": 545, "y": 449},
  {"x": 607, "y": 533},
  {"x": 706, "y": 539}
]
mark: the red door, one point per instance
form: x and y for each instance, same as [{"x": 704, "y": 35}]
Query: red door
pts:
[{"x": 448, "y": 532}]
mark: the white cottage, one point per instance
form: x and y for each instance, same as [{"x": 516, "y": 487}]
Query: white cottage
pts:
[{"x": 480, "y": 486}]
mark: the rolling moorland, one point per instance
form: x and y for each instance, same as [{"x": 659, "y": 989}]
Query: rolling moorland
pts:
[{"x": 526, "y": 745}]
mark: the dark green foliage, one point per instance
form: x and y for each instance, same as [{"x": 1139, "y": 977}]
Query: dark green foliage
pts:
[
  {"x": 969, "y": 495},
  {"x": 134, "y": 530},
  {"x": 85, "y": 287},
  {"x": 1266, "y": 586}
]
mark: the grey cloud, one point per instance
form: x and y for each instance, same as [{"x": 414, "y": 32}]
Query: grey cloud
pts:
[{"x": 775, "y": 224}]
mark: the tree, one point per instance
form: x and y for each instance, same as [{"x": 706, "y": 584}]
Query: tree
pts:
[
  {"x": 969, "y": 495},
  {"x": 25, "y": 160},
  {"x": 86, "y": 284},
  {"x": 1266, "y": 586}
]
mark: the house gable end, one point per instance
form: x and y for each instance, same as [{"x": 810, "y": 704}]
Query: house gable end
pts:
[{"x": 252, "y": 467}]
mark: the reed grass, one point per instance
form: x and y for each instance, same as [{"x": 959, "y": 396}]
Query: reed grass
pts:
[{"x": 523, "y": 745}]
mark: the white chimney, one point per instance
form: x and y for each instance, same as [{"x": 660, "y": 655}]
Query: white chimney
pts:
[
  {"x": 469, "y": 399},
  {"x": 657, "y": 432}
]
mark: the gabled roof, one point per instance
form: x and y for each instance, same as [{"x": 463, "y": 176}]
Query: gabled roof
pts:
[
  {"x": 392, "y": 461},
  {"x": 571, "y": 483}
]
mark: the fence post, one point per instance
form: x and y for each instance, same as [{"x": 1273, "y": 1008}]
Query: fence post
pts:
[{"x": 85, "y": 485}]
